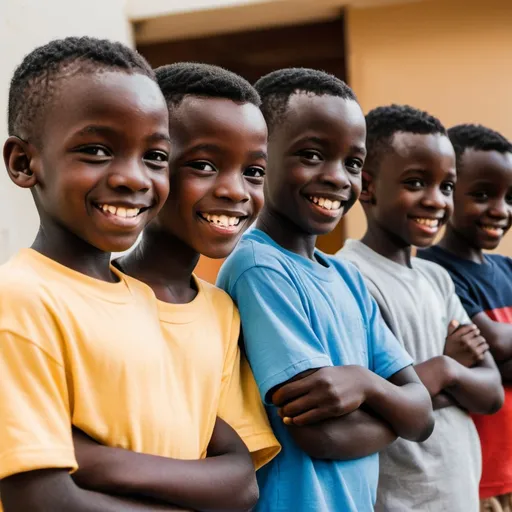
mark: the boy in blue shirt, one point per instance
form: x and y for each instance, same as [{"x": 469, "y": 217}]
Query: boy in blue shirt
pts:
[
  {"x": 320, "y": 353},
  {"x": 481, "y": 218}
]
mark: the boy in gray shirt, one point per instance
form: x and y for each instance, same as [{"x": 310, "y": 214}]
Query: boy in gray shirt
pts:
[{"x": 409, "y": 178}]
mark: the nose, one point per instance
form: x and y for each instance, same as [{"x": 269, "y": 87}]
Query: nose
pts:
[
  {"x": 232, "y": 187},
  {"x": 336, "y": 176},
  {"x": 434, "y": 198},
  {"x": 500, "y": 209},
  {"x": 130, "y": 175}
]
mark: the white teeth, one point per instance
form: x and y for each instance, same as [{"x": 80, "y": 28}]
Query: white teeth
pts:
[
  {"x": 431, "y": 223},
  {"x": 493, "y": 230},
  {"x": 221, "y": 220},
  {"x": 120, "y": 211},
  {"x": 328, "y": 204}
]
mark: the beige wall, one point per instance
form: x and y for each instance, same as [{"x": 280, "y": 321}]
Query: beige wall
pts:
[
  {"x": 450, "y": 57},
  {"x": 25, "y": 24}
]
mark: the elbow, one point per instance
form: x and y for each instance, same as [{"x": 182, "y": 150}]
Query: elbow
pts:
[
  {"x": 425, "y": 429},
  {"x": 247, "y": 497},
  {"x": 422, "y": 421},
  {"x": 498, "y": 400}
]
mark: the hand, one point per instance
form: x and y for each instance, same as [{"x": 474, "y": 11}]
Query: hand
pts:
[
  {"x": 465, "y": 344},
  {"x": 326, "y": 393}
]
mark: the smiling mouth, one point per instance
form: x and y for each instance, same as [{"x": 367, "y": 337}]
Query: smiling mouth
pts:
[
  {"x": 430, "y": 223},
  {"x": 493, "y": 231},
  {"x": 120, "y": 211},
  {"x": 325, "y": 203},
  {"x": 226, "y": 222}
]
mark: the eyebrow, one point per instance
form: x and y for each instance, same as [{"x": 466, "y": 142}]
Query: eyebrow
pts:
[
  {"x": 106, "y": 131},
  {"x": 321, "y": 140},
  {"x": 216, "y": 149}
]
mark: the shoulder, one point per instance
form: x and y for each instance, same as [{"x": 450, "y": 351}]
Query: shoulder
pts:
[
  {"x": 435, "y": 273},
  {"x": 216, "y": 297},
  {"x": 502, "y": 261},
  {"x": 253, "y": 253}
]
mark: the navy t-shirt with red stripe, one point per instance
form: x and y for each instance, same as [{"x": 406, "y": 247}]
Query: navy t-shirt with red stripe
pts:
[{"x": 486, "y": 287}]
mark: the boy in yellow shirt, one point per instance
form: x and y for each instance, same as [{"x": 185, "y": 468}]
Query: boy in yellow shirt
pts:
[
  {"x": 81, "y": 343},
  {"x": 217, "y": 167}
]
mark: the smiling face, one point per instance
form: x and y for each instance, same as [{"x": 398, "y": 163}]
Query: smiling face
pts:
[
  {"x": 316, "y": 157},
  {"x": 483, "y": 198},
  {"x": 411, "y": 190},
  {"x": 100, "y": 169},
  {"x": 218, "y": 164}
]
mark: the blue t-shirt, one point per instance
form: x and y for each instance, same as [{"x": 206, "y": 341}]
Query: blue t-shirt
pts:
[
  {"x": 298, "y": 314},
  {"x": 481, "y": 286}
]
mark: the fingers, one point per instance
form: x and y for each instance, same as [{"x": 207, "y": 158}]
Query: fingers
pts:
[
  {"x": 308, "y": 418},
  {"x": 452, "y": 327},
  {"x": 293, "y": 390},
  {"x": 299, "y": 406},
  {"x": 465, "y": 330}
]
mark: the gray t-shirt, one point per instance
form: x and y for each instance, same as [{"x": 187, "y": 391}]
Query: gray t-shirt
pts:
[{"x": 442, "y": 473}]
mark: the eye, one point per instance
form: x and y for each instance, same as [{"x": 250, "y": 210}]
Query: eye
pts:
[
  {"x": 480, "y": 196},
  {"x": 201, "y": 165},
  {"x": 414, "y": 184},
  {"x": 355, "y": 165},
  {"x": 311, "y": 156},
  {"x": 448, "y": 187},
  {"x": 508, "y": 199},
  {"x": 254, "y": 172},
  {"x": 98, "y": 151},
  {"x": 157, "y": 158}
]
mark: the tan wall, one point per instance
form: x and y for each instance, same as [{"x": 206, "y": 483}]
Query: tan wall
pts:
[
  {"x": 25, "y": 24},
  {"x": 450, "y": 57}
]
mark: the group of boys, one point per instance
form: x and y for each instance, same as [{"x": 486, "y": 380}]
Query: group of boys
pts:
[{"x": 368, "y": 380}]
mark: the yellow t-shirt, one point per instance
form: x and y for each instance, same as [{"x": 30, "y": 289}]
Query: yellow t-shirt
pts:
[
  {"x": 203, "y": 337},
  {"x": 77, "y": 350}
]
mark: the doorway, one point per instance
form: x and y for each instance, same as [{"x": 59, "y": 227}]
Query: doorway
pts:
[{"x": 255, "y": 53}]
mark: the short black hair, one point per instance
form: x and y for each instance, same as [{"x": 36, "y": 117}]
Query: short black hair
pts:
[
  {"x": 204, "y": 80},
  {"x": 383, "y": 122},
  {"x": 276, "y": 88},
  {"x": 478, "y": 137},
  {"x": 36, "y": 78}
]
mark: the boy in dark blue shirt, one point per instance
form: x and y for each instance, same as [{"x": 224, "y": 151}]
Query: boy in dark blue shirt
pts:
[{"x": 482, "y": 216}]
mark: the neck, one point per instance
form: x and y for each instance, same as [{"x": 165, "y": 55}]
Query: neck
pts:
[
  {"x": 73, "y": 252},
  {"x": 387, "y": 245},
  {"x": 456, "y": 244},
  {"x": 164, "y": 263},
  {"x": 286, "y": 234}
]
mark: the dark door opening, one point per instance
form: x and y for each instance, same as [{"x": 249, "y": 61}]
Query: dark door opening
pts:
[{"x": 252, "y": 54}]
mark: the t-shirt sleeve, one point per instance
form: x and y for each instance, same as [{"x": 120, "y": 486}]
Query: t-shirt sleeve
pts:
[
  {"x": 35, "y": 419},
  {"x": 279, "y": 340},
  {"x": 240, "y": 404},
  {"x": 387, "y": 354}
]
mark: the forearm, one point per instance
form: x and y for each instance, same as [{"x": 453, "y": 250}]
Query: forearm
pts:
[
  {"x": 406, "y": 408},
  {"x": 51, "y": 491},
  {"x": 214, "y": 483},
  {"x": 478, "y": 389},
  {"x": 352, "y": 436},
  {"x": 442, "y": 400}
]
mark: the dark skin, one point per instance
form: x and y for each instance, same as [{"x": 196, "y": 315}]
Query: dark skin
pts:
[
  {"x": 407, "y": 200},
  {"x": 217, "y": 163},
  {"x": 105, "y": 142},
  {"x": 482, "y": 217},
  {"x": 346, "y": 412}
]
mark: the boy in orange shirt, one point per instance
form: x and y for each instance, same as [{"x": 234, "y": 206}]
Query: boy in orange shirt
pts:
[{"x": 81, "y": 343}]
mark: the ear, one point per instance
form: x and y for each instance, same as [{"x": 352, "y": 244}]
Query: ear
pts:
[
  {"x": 368, "y": 186},
  {"x": 18, "y": 158}
]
